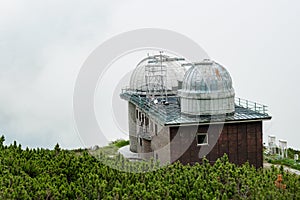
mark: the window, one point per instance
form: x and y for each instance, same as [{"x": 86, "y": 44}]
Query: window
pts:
[
  {"x": 146, "y": 121},
  {"x": 137, "y": 114},
  {"x": 203, "y": 86},
  {"x": 151, "y": 126},
  {"x": 155, "y": 127},
  {"x": 141, "y": 142},
  {"x": 202, "y": 139}
]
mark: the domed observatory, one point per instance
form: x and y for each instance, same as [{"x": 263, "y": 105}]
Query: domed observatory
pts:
[
  {"x": 182, "y": 129},
  {"x": 207, "y": 90},
  {"x": 157, "y": 75},
  {"x": 154, "y": 79}
]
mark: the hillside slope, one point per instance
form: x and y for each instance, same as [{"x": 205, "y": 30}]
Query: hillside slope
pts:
[{"x": 65, "y": 174}]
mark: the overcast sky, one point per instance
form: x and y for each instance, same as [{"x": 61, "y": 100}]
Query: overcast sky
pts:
[{"x": 44, "y": 43}]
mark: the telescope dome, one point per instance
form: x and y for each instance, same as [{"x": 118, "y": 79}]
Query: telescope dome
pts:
[{"x": 207, "y": 90}]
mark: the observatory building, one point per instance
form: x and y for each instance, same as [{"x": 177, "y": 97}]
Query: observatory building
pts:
[{"x": 185, "y": 111}]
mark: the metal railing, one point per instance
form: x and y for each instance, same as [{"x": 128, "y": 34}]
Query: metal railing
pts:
[
  {"x": 144, "y": 103},
  {"x": 256, "y": 107},
  {"x": 147, "y": 105}
]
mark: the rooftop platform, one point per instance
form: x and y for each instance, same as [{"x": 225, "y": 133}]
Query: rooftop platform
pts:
[{"x": 170, "y": 115}]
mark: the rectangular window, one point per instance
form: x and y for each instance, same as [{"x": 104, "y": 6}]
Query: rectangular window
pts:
[
  {"x": 202, "y": 139},
  {"x": 155, "y": 127},
  {"x": 146, "y": 121},
  {"x": 136, "y": 114},
  {"x": 141, "y": 142},
  {"x": 151, "y": 126}
]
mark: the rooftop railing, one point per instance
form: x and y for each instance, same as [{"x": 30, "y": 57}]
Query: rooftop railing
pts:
[
  {"x": 146, "y": 103},
  {"x": 256, "y": 107}
]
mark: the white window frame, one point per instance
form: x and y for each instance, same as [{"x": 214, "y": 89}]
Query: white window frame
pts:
[{"x": 206, "y": 138}]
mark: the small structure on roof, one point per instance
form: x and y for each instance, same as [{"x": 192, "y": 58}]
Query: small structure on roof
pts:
[{"x": 184, "y": 111}]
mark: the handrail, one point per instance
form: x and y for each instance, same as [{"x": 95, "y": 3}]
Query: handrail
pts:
[{"x": 256, "y": 107}]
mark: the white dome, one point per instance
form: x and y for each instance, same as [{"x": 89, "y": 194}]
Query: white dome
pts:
[
  {"x": 207, "y": 90},
  {"x": 154, "y": 72}
]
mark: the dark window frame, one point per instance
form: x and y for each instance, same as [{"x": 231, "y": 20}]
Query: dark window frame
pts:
[{"x": 200, "y": 140}]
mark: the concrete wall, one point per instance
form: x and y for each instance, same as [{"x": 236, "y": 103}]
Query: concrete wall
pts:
[
  {"x": 133, "y": 140},
  {"x": 161, "y": 145},
  {"x": 146, "y": 149}
]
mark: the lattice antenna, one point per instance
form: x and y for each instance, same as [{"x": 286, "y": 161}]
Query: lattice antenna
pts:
[{"x": 155, "y": 76}]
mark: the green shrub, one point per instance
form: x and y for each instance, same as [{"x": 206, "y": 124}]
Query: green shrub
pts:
[{"x": 120, "y": 143}]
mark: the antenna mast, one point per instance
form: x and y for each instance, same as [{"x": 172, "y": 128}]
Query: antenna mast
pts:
[{"x": 155, "y": 76}]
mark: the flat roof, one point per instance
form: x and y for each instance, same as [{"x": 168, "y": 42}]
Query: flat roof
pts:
[{"x": 170, "y": 115}]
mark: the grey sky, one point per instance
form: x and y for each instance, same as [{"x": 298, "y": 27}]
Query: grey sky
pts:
[{"x": 44, "y": 43}]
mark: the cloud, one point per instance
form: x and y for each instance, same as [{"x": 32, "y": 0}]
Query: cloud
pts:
[{"x": 43, "y": 45}]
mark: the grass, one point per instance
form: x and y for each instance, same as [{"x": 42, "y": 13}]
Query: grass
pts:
[
  {"x": 112, "y": 149},
  {"x": 286, "y": 162},
  {"x": 289, "y": 161},
  {"x": 120, "y": 143}
]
